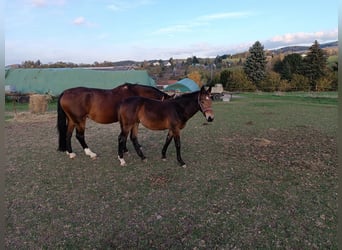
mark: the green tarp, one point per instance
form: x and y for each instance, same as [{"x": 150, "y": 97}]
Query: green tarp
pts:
[
  {"x": 184, "y": 85},
  {"x": 54, "y": 81}
]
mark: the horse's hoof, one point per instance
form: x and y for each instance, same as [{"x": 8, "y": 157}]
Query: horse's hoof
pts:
[
  {"x": 122, "y": 161},
  {"x": 88, "y": 152},
  {"x": 164, "y": 159},
  {"x": 71, "y": 155},
  {"x": 184, "y": 166},
  {"x": 144, "y": 160}
]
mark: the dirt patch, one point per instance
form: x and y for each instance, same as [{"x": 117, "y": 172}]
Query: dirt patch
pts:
[
  {"x": 29, "y": 117},
  {"x": 303, "y": 147}
]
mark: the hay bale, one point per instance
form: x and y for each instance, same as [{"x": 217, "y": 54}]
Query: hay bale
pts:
[{"x": 38, "y": 103}]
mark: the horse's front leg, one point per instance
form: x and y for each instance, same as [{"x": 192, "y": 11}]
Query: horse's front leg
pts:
[
  {"x": 178, "y": 150},
  {"x": 166, "y": 145},
  {"x": 81, "y": 138},
  {"x": 122, "y": 139}
]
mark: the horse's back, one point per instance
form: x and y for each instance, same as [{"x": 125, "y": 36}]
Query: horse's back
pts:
[
  {"x": 97, "y": 104},
  {"x": 153, "y": 114},
  {"x": 101, "y": 105}
]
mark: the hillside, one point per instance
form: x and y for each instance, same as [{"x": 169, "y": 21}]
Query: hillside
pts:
[{"x": 298, "y": 49}]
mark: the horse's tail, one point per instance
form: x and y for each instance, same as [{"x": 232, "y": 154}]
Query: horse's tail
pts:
[{"x": 61, "y": 126}]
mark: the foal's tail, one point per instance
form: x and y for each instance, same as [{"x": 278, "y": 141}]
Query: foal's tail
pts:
[{"x": 61, "y": 126}]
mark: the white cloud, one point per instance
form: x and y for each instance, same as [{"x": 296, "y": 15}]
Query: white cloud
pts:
[
  {"x": 79, "y": 20},
  {"x": 301, "y": 38},
  {"x": 44, "y": 3},
  {"x": 224, "y": 15},
  {"x": 177, "y": 28},
  {"x": 200, "y": 21},
  {"x": 38, "y": 3},
  {"x": 122, "y": 5}
]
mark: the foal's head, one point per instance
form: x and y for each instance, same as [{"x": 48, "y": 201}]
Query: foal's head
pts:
[{"x": 205, "y": 102}]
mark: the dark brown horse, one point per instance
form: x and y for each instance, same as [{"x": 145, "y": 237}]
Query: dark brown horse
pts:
[
  {"x": 171, "y": 114},
  {"x": 75, "y": 105}
]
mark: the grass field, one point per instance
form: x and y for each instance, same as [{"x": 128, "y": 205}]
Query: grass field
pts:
[{"x": 263, "y": 175}]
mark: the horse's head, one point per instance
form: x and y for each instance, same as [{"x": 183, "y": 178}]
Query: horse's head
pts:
[{"x": 205, "y": 102}]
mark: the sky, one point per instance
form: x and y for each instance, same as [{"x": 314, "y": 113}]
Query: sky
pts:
[{"x": 91, "y": 31}]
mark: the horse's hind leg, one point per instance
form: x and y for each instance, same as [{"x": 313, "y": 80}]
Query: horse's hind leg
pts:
[
  {"x": 81, "y": 138},
  {"x": 70, "y": 129},
  {"x": 134, "y": 139}
]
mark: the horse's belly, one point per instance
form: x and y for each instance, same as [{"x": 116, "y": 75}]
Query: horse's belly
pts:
[{"x": 103, "y": 117}]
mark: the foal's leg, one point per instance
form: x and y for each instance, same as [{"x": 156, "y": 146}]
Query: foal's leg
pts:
[
  {"x": 125, "y": 147},
  {"x": 134, "y": 139},
  {"x": 122, "y": 139},
  {"x": 70, "y": 129},
  {"x": 178, "y": 147},
  {"x": 166, "y": 145},
  {"x": 80, "y": 128}
]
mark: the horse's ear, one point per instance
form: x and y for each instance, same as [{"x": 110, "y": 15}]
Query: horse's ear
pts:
[{"x": 202, "y": 89}]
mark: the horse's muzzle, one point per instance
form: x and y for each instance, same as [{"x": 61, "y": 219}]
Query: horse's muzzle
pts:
[
  {"x": 210, "y": 118},
  {"x": 208, "y": 114}
]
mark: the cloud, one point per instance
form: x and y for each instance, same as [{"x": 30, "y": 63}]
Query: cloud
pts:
[
  {"x": 79, "y": 20},
  {"x": 200, "y": 21},
  {"x": 38, "y": 3},
  {"x": 122, "y": 5},
  {"x": 44, "y": 3},
  {"x": 178, "y": 28},
  {"x": 224, "y": 15},
  {"x": 299, "y": 38}
]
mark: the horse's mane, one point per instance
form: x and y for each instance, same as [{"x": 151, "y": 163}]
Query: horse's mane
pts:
[
  {"x": 186, "y": 95},
  {"x": 128, "y": 85}
]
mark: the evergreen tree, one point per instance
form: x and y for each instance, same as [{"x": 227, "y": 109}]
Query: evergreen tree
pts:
[
  {"x": 224, "y": 78},
  {"x": 290, "y": 65},
  {"x": 255, "y": 65},
  {"x": 195, "y": 60},
  {"x": 315, "y": 64}
]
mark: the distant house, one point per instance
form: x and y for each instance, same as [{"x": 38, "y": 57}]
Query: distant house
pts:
[
  {"x": 54, "y": 81},
  {"x": 184, "y": 85}
]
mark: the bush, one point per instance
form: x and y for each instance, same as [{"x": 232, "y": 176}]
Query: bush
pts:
[
  {"x": 324, "y": 84},
  {"x": 300, "y": 83},
  {"x": 284, "y": 86},
  {"x": 271, "y": 82},
  {"x": 238, "y": 81}
]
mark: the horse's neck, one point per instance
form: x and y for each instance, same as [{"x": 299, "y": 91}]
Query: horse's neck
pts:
[{"x": 189, "y": 104}]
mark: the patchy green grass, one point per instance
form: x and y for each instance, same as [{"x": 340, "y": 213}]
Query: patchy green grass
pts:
[
  {"x": 262, "y": 175},
  {"x": 13, "y": 108}
]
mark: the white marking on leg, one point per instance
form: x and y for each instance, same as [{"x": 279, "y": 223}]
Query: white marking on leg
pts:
[
  {"x": 92, "y": 155},
  {"x": 122, "y": 161},
  {"x": 71, "y": 155}
]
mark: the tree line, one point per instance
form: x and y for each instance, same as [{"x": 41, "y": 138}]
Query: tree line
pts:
[
  {"x": 295, "y": 72},
  {"x": 253, "y": 70}
]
